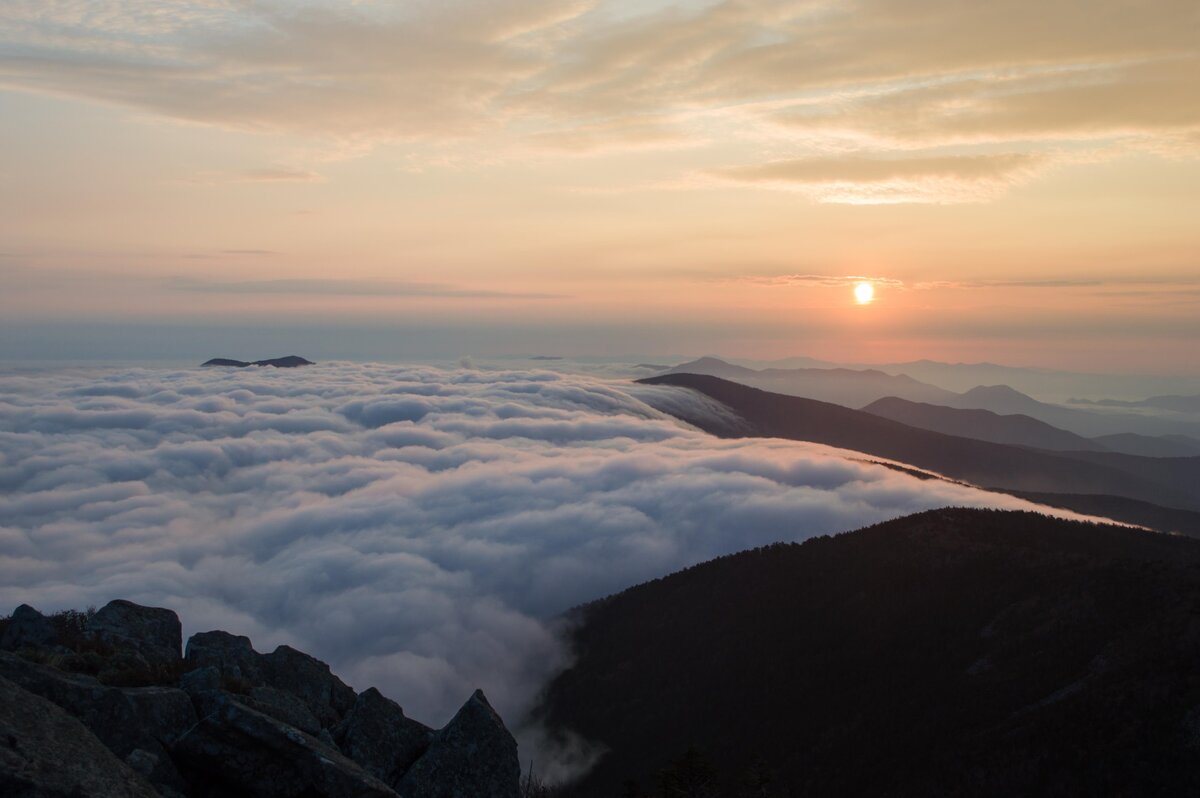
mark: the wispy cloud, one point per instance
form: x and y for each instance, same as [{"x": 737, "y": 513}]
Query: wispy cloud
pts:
[
  {"x": 821, "y": 280},
  {"x": 326, "y": 287},
  {"x": 858, "y": 179},
  {"x": 865, "y": 78}
]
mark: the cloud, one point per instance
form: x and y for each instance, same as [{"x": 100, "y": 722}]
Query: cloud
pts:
[
  {"x": 820, "y": 280},
  {"x": 327, "y": 287},
  {"x": 420, "y": 529},
  {"x": 791, "y": 79},
  {"x": 278, "y": 175},
  {"x": 853, "y": 179}
]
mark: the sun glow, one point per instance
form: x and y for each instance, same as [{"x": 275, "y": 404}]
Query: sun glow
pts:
[{"x": 864, "y": 293}]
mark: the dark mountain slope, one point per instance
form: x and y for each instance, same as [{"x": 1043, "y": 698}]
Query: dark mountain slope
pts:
[
  {"x": 983, "y": 463},
  {"x": 952, "y": 652},
  {"x": 983, "y": 425}
]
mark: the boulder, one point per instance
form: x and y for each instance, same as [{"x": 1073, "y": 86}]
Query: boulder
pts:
[
  {"x": 124, "y": 719},
  {"x": 283, "y": 706},
  {"x": 377, "y": 735},
  {"x": 236, "y": 750},
  {"x": 474, "y": 756},
  {"x": 310, "y": 680},
  {"x": 27, "y": 628},
  {"x": 153, "y": 632},
  {"x": 232, "y": 655},
  {"x": 46, "y": 753}
]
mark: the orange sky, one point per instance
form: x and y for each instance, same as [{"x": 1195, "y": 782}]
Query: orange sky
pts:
[{"x": 1019, "y": 179}]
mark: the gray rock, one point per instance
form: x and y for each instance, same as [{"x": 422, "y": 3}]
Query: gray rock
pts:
[
  {"x": 377, "y": 735},
  {"x": 283, "y": 706},
  {"x": 474, "y": 756},
  {"x": 200, "y": 680},
  {"x": 27, "y": 628},
  {"x": 238, "y": 751},
  {"x": 124, "y": 719},
  {"x": 310, "y": 680},
  {"x": 232, "y": 655},
  {"x": 153, "y": 632},
  {"x": 45, "y": 753}
]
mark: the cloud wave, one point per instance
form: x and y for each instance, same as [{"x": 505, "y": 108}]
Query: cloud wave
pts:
[{"x": 418, "y": 528}]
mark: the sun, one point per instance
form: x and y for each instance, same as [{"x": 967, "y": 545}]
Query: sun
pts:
[{"x": 864, "y": 293}]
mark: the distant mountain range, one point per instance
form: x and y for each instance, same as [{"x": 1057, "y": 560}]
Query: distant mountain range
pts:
[
  {"x": 289, "y": 362},
  {"x": 857, "y": 388},
  {"x": 984, "y": 425},
  {"x": 849, "y": 387},
  {"x": 952, "y": 652},
  {"x": 1174, "y": 404},
  {"x": 1167, "y": 482},
  {"x": 1021, "y": 430},
  {"x": 1053, "y": 384}
]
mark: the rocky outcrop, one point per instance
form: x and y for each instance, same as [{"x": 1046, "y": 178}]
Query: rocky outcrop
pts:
[
  {"x": 152, "y": 633},
  {"x": 377, "y": 735},
  {"x": 44, "y": 752},
  {"x": 235, "y": 750},
  {"x": 126, "y": 720},
  {"x": 474, "y": 756},
  {"x": 27, "y": 627},
  {"x": 311, "y": 681},
  {"x": 223, "y": 721},
  {"x": 232, "y": 655}
]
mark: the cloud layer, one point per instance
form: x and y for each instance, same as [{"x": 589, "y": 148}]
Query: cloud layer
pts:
[
  {"x": 417, "y": 528},
  {"x": 818, "y": 88}
]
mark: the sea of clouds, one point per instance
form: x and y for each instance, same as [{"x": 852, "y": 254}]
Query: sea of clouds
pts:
[{"x": 418, "y": 528}]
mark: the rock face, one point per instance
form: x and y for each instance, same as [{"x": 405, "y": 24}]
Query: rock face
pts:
[
  {"x": 28, "y": 627},
  {"x": 474, "y": 756},
  {"x": 153, "y": 633},
  {"x": 310, "y": 680},
  {"x": 126, "y": 720},
  {"x": 236, "y": 750},
  {"x": 45, "y": 752},
  {"x": 378, "y": 736},
  {"x": 232, "y": 655},
  {"x": 223, "y": 721}
]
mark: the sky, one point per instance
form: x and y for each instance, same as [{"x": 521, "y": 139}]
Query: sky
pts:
[{"x": 1018, "y": 180}]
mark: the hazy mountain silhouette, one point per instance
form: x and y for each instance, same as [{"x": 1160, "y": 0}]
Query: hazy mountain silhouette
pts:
[
  {"x": 983, "y": 463},
  {"x": 1151, "y": 445},
  {"x": 952, "y": 652},
  {"x": 291, "y": 361},
  {"x": 1047, "y": 383},
  {"x": 1022, "y": 430},
  {"x": 985, "y": 425},
  {"x": 1175, "y": 404},
  {"x": 856, "y": 388},
  {"x": 1005, "y": 400},
  {"x": 842, "y": 386}
]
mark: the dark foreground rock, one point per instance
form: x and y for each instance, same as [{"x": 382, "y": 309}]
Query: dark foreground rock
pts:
[
  {"x": 473, "y": 757},
  {"x": 26, "y": 628},
  {"x": 153, "y": 633},
  {"x": 378, "y": 736},
  {"x": 235, "y": 750},
  {"x": 223, "y": 721},
  {"x": 46, "y": 753}
]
